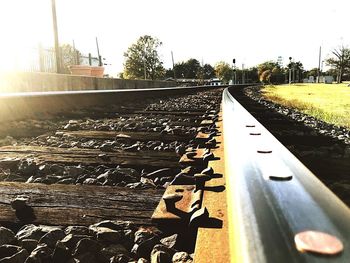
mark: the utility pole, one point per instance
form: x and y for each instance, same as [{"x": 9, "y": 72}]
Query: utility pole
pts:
[
  {"x": 172, "y": 59},
  {"x": 293, "y": 71},
  {"x": 202, "y": 73},
  {"x": 76, "y": 59},
  {"x": 243, "y": 77},
  {"x": 319, "y": 66},
  {"x": 98, "y": 54},
  {"x": 144, "y": 61},
  {"x": 290, "y": 70},
  {"x": 77, "y": 56},
  {"x": 55, "y": 31},
  {"x": 90, "y": 59}
]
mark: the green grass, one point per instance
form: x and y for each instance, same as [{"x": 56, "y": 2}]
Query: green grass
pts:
[{"x": 328, "y": 102}]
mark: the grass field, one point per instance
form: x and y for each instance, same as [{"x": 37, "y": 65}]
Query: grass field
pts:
[{"x": 328, "y": 102}]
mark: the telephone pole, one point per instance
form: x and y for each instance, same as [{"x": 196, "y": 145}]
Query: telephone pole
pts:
[
  {"x": 243, "y": 77},
  {"x": 55, "y": 32},
  {"x": 290, "y": 70},
  {"x": 172, "y": 59},
  {"x": 98, "y": 54},
  {"x": 319, "y": 66}
]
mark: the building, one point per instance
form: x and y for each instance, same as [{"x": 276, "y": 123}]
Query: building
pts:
[{"x": 215, "y": 82}]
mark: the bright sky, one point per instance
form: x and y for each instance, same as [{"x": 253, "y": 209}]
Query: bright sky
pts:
[{"x": 252, "y": 31}]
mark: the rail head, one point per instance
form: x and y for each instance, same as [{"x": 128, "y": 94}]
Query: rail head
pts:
[
  {"x": 133, "y": 92},
  {"x": 272, "y": 196},
  {"x": 17, "y": 106}
]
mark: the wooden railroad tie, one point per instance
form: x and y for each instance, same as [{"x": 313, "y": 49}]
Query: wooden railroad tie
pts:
[
  {"x": 77, "y": 205},
  {"x": 90, "y": 156},
  {"x": 178, "y": 113},
  {"x": 130, "y": 135}
]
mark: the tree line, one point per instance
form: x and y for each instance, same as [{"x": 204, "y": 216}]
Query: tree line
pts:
[
  {"x": 273, "y": 72},
  {"x": 142, "y": 61}
]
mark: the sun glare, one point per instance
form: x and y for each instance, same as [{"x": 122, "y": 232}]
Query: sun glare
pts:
[{"x": 25, "y": 24}]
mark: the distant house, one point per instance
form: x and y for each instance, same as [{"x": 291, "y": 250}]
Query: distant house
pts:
[
  {"x": 197, "y": 82},
  {"x": 323, "y": 79},
  {"x": 188, "y": 82},
  {"x": 215, "y": 82},
  {"x": 326, "y": 79}
]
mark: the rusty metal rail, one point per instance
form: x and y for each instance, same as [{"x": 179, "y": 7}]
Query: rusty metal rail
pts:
[{"x": 272, "y": 196}]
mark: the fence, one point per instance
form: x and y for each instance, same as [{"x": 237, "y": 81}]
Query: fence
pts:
[
  {"x": 29, "y": 59},
  {"x": 46, "y": 59},
  {"x": 40, "y": 59}
]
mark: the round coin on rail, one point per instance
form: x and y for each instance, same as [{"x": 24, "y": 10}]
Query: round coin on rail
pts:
[
  {"x": 318, "y": 242},
  {"x": 280, "y": 177},
  {"x": 264, "y": 151}
]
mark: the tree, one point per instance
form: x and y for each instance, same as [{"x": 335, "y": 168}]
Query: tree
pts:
[
  {"x": 271, "y": 72},
  {"x": 189, "y": 69},
  {"x": 265, "y": 76},
  {"x": 142, "y": 59},
  {"x": 180, "y": 70},
  {"x": 332, "y": 72},
  {"x": 69, "y": 56},
  {"x": 251, "y": 75},
  {"x": 312, "y": 72},
  {"x": 121, "y": 75},
  {"x": 223, "y": 71},
  {"x": 208, "y": 71},
  {"x": 192, "y": 68},
  {"x": 341, "y": 61},
  {"x": 169, "y": 73},
  {"x": 297, "y": 70}
]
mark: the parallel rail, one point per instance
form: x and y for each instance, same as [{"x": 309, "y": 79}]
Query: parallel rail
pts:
[
  {"x": 266, "y": 211},
  {"x": 16, "y": 106}
]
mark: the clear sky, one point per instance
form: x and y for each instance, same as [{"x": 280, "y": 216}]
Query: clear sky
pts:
[{"x": 252, "y": 31}]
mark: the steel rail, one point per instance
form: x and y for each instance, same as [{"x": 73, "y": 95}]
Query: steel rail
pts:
[
  {"x": 16, "y": 106},
  {"x": 106, "y": 91},
  {"x": 272, "y": 196}
]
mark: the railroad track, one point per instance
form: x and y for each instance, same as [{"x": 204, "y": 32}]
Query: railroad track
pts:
[
  {"x": 147, "y": 176},
  {"x": 92, "y": 176}
]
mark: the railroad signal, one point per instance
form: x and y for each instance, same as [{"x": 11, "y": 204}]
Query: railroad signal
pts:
[
  {"x": 290, "y": 71},
  {"x": 234, "y": 76}
]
